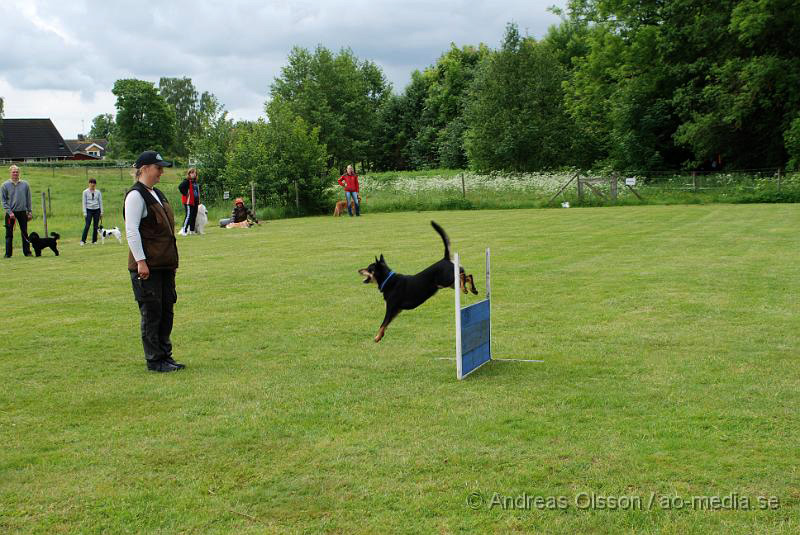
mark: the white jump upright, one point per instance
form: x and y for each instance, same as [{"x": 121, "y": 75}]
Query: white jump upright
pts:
[{"x": 473, "y": 326}]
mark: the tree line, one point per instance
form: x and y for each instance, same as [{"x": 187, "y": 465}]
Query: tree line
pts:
[{"x": 630, "y": 85}]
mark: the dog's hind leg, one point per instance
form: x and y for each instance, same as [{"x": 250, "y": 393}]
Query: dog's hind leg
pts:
[
  {"x": 471, "y": 284},
  {"x": 55, "y": 249},
  {"x": 462, "y": 282}
]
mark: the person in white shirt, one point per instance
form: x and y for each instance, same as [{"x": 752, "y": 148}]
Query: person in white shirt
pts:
[
  {"x": 152, "y": 260},
  {"x": 92, "y": 210}
]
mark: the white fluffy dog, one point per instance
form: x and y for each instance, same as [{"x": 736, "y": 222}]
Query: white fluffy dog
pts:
[
  {"x": 107, "y": 233},
  {"x": 202, "y": 219}
]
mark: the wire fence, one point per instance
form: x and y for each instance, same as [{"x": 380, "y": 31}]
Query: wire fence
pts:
[{"x": 63, "y": 184}]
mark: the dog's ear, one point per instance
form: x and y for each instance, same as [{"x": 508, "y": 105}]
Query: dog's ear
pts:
[
  {"x": 376, "y": 259},
  {"x": 382, "y": 261}
]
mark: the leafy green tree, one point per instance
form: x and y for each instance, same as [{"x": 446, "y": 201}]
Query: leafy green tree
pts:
[
  {"x": 792, "y": 140},
  {"x": 212, "y": 146},
  {"x": 144, "y": 120},
  {"x": 670, "y": 84},
  {"x": 181, "y": 95},
  {"x": 424, "y": 126},
  {"x": 515, "y": 115},
  {"x": 103, "y": 126},
  {"x": 278, "y": 153},
  {"x": 450, "y": 78},
  {"x": 744, "y": 103},
  {"x": 193, "y": 111},
  {"x": 338, "y": 93},
  {"x": 398, "y": 125}
]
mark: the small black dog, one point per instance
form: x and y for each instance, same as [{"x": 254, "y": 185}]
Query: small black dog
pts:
[
  {"x": 406, "y": 292},
  {"x": 43, "y": 243}
]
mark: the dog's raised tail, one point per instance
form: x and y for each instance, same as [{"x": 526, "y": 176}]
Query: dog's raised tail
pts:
[
  {"x": 55, "y": 235},
  {"x": 445, "y": 239}
]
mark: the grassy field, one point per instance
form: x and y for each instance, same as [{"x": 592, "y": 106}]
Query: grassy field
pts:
[{"x": 669, "y": 335}]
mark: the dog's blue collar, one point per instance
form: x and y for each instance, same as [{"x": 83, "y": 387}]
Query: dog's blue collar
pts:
[{"x": 391, "y": 273}]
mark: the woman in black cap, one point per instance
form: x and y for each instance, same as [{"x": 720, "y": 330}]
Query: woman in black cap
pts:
[{"x": 152, "y": 259}]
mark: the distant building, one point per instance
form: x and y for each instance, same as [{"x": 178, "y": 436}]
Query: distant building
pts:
[
  {"x": 32, "y": 140},
  {"x": 85, "y": 148}
]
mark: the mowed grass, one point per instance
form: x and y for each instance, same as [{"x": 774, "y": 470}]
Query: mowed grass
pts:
[{"x": 669, "y": 335}]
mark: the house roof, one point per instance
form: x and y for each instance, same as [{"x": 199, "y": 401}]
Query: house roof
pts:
[
  {"x": 31, "y": 138},
  {"x": 81, "y": 145}
]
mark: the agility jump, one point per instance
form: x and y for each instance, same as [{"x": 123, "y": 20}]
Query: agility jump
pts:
[{"x": 474, "y": 328}]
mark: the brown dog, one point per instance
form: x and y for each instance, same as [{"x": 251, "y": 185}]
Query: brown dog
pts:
[{"x": 341, "y": 207}]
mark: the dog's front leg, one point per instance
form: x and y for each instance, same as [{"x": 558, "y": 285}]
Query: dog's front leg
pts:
[
  {"x": 391, "y": 312},
  {"x": 462, "y": 282}
]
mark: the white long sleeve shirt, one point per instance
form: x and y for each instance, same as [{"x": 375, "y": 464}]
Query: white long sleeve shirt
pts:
[
  {"x": 135, "y": 211},
  {"x": 92, "y": 200}
]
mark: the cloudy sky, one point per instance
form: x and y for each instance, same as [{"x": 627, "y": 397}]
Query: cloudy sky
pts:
[{"x": 60, "y": 59}]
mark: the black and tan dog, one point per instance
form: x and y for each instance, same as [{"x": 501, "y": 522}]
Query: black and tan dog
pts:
[
  {"x": 406, "y": 292},
  {"x": 43, "y": 243}
]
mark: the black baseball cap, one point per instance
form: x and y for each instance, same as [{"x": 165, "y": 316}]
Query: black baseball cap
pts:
[{"x": 150, "y": 157}]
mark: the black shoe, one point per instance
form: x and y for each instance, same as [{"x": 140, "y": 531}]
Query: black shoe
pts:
[
  {"x": 161, "y": 366},
  {"x": 178, "y": 365},
  {"x": 28, "y": 254},
  {"x": 7, "y": 256}
]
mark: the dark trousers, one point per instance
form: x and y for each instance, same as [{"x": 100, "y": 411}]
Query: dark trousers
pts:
[
  {"x": 191, "y": 217},
  {"x": 156, "y": 297},
  {"x": 22, "y": 219},
  {"x": 92, "y": 216}
]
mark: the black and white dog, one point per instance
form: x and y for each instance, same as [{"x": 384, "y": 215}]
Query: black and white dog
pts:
[{"x": 107, "y": 233}]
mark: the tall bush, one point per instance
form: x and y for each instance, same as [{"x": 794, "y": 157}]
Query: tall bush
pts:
[{"x": 275, "y": 155}]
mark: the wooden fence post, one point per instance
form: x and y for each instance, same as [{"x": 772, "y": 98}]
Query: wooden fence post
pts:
[
  {"x": 694, "y": 179},
  {"x": 580, "y": 189},
  {"x": 297, "y": 197},
  {"x": 779, "y": 179},
  {"x": 463, "y": 187},
  {"x": 49, "y": 203},
  {"x": 613, "y": 186},
  {"x": 253, "y": 196},
  {"x": 44, "y": 214}
]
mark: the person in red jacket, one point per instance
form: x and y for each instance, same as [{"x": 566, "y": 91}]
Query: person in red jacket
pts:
[
  {"x": 190, "y": 197},
  {"x": 350, "y": 182}
]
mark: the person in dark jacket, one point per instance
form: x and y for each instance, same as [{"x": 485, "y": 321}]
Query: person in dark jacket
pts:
[
  {"x": 241, "y": 216},
  {"x": 152, "y": 260},
  {"x": 190, "y": 197}
]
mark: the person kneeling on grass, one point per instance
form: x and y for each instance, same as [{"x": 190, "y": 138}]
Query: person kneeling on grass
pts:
[{"x": 241, "y": 216}]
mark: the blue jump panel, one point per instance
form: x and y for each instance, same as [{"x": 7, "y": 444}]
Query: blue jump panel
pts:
[{"x": 475, "y": 336}]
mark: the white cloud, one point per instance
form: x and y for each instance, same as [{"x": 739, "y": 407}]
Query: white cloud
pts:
[{"x": 60, "y": 59}]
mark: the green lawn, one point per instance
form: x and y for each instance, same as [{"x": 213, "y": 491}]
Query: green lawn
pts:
[{"x": 670, "y": 337}]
